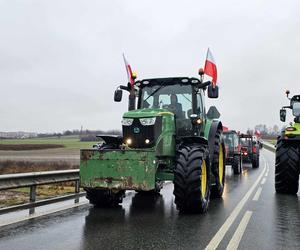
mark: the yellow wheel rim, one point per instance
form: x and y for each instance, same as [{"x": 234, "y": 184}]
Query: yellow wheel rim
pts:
[
  {"x": 203, "y": 179},
  {"x": 221, "y": 164}
]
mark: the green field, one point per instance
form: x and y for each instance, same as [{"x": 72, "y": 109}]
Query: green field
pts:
[{"x": 69, "y": 142}]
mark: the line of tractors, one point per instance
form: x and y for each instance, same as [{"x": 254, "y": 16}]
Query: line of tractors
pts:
[
  {"x": 168, "y": 135},
  {"x": 241, "y": 148}
]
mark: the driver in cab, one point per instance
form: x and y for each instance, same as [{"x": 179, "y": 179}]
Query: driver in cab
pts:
[{"x": 176, "y": 107}]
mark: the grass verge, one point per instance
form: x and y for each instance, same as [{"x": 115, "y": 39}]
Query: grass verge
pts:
[
  {"x": 71, "y": 142},
  {"x": 21, "y": 195}
]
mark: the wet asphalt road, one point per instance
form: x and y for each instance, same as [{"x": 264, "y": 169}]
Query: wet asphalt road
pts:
[{"x": 245, "y": 218}]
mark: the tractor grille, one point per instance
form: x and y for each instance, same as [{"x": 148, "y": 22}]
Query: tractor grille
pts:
[{"x": 138, "y": 133}]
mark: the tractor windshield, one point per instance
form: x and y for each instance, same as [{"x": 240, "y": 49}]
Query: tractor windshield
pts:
[
  {"x": 229, "y": 140},
  {"x": 246, "y": 142},
  {"x": 176, "y": 98}
]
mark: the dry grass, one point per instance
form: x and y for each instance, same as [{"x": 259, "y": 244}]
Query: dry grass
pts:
[{"x": 21, "y": 195}]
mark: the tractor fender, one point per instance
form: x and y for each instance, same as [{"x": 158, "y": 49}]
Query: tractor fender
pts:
[{"x": 215, "y": 126}]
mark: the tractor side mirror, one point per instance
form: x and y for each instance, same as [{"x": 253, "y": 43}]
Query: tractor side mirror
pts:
[
  {"x": 213, "y": 113},
  {"x": 213, "y": 91},
  {"x": 118, "y": 95},
  {"x": 282, "y": 115}
]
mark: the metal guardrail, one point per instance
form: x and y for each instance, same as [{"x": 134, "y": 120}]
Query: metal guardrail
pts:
[
  {"x": 9, "y": 181},
  {"x": 32, "y": 180}
]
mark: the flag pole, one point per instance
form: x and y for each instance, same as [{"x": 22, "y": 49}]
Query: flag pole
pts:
[{"x": 130, "y": 85}]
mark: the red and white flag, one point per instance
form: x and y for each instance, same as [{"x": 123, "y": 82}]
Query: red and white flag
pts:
[
  {"x": 210, "y": 67},
  {"x": 257, "y": 133},
  {"x": 129, "y": 71}
]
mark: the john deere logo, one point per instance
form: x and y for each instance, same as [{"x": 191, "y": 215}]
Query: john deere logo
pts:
[{"x": 136, "y": 130}]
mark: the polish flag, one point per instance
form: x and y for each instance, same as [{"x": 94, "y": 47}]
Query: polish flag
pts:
[
  {"x": 210, "y": 67},
  {"x": 129, "y": 71}
]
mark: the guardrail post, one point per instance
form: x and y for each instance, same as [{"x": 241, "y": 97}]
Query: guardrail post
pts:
[
  {"x": 32, "y": 198},
  {"x": 77, "y": 190}
]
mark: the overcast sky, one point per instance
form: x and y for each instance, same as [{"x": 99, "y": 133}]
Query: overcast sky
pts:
[{"x": 60, "y": 61}]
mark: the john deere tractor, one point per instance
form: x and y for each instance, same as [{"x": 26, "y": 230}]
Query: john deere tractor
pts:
[
  {"x": 287, "y": 166},
  {"x": 167, "y": 136}
]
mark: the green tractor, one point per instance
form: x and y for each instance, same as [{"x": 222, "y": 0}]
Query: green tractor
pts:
[
  {"x": 287, "y": 165},
  {"x": 167, "y": 136}
]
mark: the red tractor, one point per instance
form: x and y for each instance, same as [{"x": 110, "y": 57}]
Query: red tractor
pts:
[
  {"x": 250, "y": 150},
  {"x": 233, "y": 150}
]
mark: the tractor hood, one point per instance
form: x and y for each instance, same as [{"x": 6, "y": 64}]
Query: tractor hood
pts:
[
  {"x": 141, "y": 113},
  {"x": 293, "y": 130}
]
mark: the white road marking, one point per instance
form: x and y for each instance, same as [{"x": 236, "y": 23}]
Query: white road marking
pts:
[
  {"x": 36, "y": 215},
  {"x": 257, "y": 194},
  {"x": 263, "y": 181},
  {"x": 215, "y": 241},
  {"x": 236, "y": 238}
]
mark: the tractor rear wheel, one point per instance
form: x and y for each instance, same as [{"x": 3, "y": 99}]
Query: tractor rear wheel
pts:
[
  {"x": 255, "y": 161},
  {"x": 192, "y": 178},
  {"x": 104, "y": 198},
  {"x": 218, "y": 166},
  {"x": 286, "y": 168},
  {"x": 237, "y": 164}
]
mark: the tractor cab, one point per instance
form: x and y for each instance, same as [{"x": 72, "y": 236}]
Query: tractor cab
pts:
[
  {"x": 183, "y": 97},
  {"x": 232, "y": 144},
  {"x": 294, "y": 106},
  {"x": 175, "y": 104}
]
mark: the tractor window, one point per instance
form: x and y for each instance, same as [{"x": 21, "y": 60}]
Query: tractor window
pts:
[
  {"x": 245, "y": 142},
  {"x": 229, "y": 139},
  {"x": 176, "y": 98},
  {"x": 163, "y": 101},
  {"x": 236, "y": 140}
]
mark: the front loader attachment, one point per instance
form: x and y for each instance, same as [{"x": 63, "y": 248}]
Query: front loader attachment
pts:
[{"x": 118, "y": 169}]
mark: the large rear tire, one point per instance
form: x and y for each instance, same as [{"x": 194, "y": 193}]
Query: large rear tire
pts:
[
  {"x": 192, "y": 178},
  {"x": 287, "y": 168},
  {"x": 218, "y": 166},
  {"x": 104, "y": 198},
  {"x": 255, "y": 161},
  {"x": 237, "y": 165}
]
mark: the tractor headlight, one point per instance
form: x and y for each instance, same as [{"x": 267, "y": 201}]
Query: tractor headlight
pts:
[
  {"x": 129, "y": 141},
  {"x": 148, "y": 121},
  {"x": 127, "y": 121}
]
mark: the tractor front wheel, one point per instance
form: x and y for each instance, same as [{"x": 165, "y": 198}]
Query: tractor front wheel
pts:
[
  {"x": 255, "y": 161},
  {"x": 286, "y": 168},
  {"x": 104, "y": 198},
  {"x": 237, "y": 164},
  {"x": 192, "y": 178}
]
